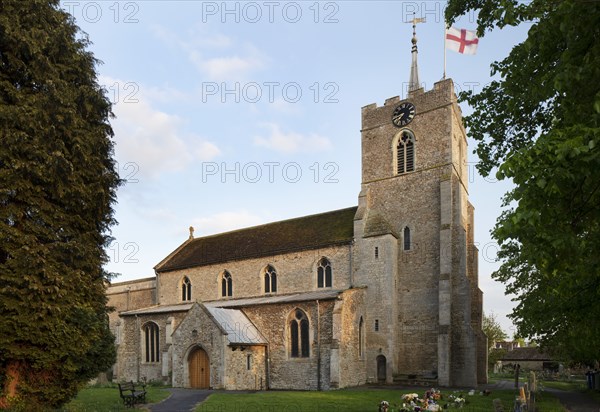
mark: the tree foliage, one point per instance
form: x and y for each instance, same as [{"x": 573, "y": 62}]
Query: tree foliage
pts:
[
  {"x": 538, "y": 123},
  {"x": 57, "y": 187},
  {"x": 492, "y": 329}
]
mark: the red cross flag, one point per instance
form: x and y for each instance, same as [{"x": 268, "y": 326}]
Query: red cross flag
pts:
[{"x": 461, "y": 40}]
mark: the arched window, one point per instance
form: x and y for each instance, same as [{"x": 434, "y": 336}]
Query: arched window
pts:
[
  {"x": 299, "y": 331},
  {"x": 270, "y": 279},
  {"x": 226, "y": 284},
  {"x": 405, "y": 152},
  {"x": 406, "y": 238},
  {"x": 151, "y": 342},
  {"x": 361, "y": 337},
  {"x": 324, "y": 275},
  {"x": 186, "y": 289}
]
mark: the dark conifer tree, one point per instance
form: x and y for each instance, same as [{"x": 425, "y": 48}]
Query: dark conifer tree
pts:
[{"x": 58, "y": 184}]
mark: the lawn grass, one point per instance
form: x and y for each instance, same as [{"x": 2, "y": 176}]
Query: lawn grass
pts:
[
  {"x": 350, "y": 400},
  {"x": 107, "y": 399},
  {"x": 573, "y": 386}
]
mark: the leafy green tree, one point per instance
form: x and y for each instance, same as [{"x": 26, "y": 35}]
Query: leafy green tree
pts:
[
  {"x": 57, "y": 188},
  {"x": 538, "y": 124},
  {"x": 492, "y": 329}
]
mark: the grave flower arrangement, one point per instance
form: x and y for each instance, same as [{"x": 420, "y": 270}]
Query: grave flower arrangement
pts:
[
  {"x": 432, "y": 401},
  {"x": 456, "y": 400}
]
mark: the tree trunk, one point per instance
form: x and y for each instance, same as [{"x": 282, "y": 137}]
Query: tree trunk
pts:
[{"x": 9, "y": 391}]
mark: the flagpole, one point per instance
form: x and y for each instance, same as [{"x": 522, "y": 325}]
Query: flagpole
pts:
[{"x": 445, "y": 29}]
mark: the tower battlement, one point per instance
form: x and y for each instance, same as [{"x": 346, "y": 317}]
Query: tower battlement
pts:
[{"x": 442, "y": 94}]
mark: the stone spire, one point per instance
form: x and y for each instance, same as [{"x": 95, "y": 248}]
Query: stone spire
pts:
[{"x": 414, "y": 83}]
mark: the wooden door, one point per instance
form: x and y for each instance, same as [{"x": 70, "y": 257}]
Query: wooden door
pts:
[
  {"x": 381, "y": 368},
  {"x": 199, "y": 369}
]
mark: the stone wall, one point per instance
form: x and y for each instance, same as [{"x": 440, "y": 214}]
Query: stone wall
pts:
[
  {"x": 299, "y": 373},
  {"x": 199, "y": 329},
  {"x": 435, "y": 294},
  {"x": 351, "y": 365},
  {"x": 242, "y": 373},
  {"x": 130, "y": 295},
  {"x": 131, "y": 363},
  {"x": 296, "y": 272}
]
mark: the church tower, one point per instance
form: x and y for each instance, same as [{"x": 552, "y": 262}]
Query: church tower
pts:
[{"x": 414, "y": 246}]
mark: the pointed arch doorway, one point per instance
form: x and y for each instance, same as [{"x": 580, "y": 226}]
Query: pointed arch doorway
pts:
[{"x": 199, "y": 369}]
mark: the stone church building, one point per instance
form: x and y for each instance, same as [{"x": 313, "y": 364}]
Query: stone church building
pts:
[{"x": 380, "y": 292}]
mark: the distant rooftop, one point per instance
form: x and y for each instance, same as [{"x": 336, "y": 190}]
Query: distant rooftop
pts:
[{"x": 525, "y": 354}]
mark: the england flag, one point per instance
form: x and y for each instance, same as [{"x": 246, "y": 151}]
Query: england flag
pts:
[{"x": 461, "y": 40}]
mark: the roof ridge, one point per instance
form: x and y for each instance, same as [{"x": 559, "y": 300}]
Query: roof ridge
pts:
[{"x": 271, "y": 223}]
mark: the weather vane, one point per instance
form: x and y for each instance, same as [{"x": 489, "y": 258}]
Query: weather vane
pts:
[{"x": 414, "y": 22}]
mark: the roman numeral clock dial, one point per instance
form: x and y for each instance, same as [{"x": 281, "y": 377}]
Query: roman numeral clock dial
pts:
[{"x": 403, "y": 114}]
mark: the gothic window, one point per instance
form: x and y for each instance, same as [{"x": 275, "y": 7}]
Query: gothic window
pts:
[
  {"x": 406, "y": 238},
  {"x": 151, "y": 342},
  {"x": 361, "y": 338},
  {"x": 226, "y": 284},
  {"x": 405, "y": 152},
  {"x": 186, "y": 289},
  {"x": 324, "y": 275},
  {"x": 299, "y": 339},
  {"x": 270, "y": 279}
]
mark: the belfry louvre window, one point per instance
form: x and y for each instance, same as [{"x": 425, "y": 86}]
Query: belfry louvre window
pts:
[
  {"x": 270, "y": 279},
  {"x": 186, "y": 289},
  {"x": 324, "y": 274},
  {"x": 406, "y": 238},
  {"x": 299, "y": 339},
  {"x": 151, "y": 342},
  {"x": 405, "y": 152},
  {"x": 226, "y": 285}
]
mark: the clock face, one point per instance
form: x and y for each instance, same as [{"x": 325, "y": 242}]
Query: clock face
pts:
[{"x": 403, "y": 114}]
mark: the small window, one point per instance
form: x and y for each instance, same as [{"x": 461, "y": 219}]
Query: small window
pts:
[
  {"x": 324, "y": 274},
  {"x": 270, "y": 278},
  {"x": 151, "y": 342},
  {"x": 248, "y": 362},
  {"x": 226, "y": 285},
  {"x": 406, "y": 238},
  {"x": 361, "y": 339},
  {"x": 186, "y": 289},
  {"x": 376, "y": 325},
  {"x": 299, "y": 335},
  {"x": 405, "y": 152},
  {"x": 376, "y": 252}
]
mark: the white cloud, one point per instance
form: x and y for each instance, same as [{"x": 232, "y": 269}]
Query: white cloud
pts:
[
  {"x": 217, "y": 56},
  {"x": 292, "y": 142},
  {"x": 224, "y": 221},
  {"x": 226, "y": 67},
  {"x": 283, "y": 106},
  {"x": 154, "y": 140}
]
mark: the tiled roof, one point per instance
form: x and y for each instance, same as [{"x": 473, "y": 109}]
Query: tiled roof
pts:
[
  {"x": 266, "y": 300},
  {"x": 325, "y": 294},
  {"x": 158, "y": 309},
  {"x": 304, "y": 233}
]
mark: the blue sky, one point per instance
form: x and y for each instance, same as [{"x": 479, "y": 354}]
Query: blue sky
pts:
[{"x": 232, "y": 114}]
